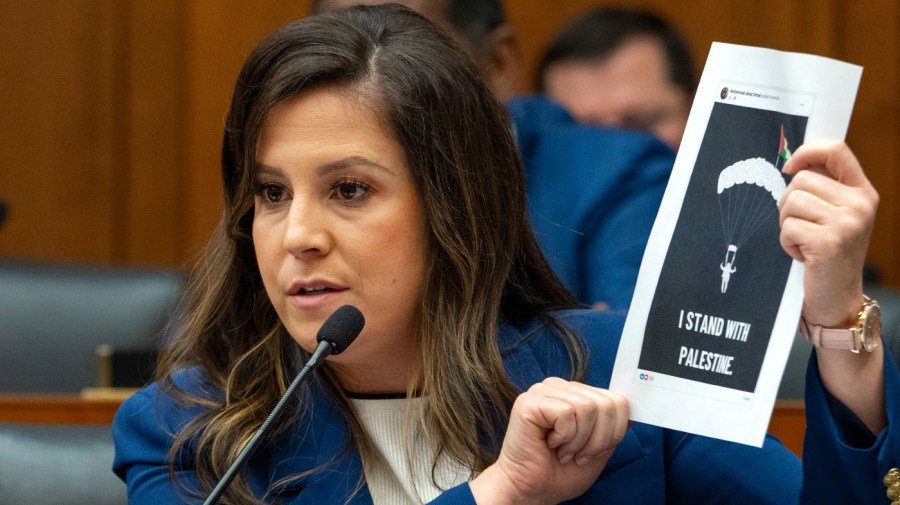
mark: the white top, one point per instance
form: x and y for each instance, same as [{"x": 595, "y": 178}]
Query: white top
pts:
[{"x": 390, "y": 481}]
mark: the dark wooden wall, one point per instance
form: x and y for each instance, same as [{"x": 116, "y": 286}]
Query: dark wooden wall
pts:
[{"x": 111, "y": 111}]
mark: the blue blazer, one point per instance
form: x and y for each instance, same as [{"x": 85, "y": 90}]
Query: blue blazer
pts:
[
  {"x": 650, "y": 466},
  {"x": 593, "y": 195}
]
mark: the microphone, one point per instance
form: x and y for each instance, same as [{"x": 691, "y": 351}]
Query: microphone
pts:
[{"x": 337, "y": 332}]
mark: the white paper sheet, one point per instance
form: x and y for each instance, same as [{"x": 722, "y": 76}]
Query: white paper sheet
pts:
[{"x": 717, "y": 300}]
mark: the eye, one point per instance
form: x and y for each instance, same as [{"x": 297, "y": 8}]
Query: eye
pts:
[
  {"x": 646, "y": 120},
  {"x": 350, "y": 190},
  {"x": 271, "y": 193},
  {"x": 641, "y": 122}
]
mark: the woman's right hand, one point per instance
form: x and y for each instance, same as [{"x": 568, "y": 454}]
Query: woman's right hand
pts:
[{"x": 560, "y": 436}]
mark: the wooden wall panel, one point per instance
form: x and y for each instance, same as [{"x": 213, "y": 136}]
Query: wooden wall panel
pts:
[
  {"x": 149, "y": 203},
  {"x": 868, "y": 37},
  {"x": 58, "y": 130},
  {"x": 111, "y": 112}
]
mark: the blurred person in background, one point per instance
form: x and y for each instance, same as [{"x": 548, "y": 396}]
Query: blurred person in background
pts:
[{"x": 621, "y": 68}]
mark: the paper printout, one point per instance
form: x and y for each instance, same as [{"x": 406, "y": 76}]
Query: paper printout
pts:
[{"x": 717, "y": 301}]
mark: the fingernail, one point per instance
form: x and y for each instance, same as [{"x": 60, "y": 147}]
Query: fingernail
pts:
[
  {"x": 583, "y": 460},
  {"x": 565, "y": 458}
]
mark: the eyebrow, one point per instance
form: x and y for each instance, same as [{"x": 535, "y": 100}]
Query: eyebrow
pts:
[
  {"x": 353, "y": 161},
  {"x": 343, "y": 163}
]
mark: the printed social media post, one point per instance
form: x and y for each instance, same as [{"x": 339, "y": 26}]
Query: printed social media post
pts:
[{"x": 717, "y": 302}]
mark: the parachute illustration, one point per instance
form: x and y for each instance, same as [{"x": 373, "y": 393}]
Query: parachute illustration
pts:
[{"x": 748, "y": 193}]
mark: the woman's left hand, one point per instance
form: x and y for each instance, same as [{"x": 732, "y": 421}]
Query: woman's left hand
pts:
[{"x": 826, "y": 216}]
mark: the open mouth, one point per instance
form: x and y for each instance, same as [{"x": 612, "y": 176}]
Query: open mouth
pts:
[{"x": 314, "y": 291}]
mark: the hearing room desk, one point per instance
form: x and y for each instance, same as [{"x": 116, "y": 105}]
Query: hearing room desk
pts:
[{"x": 788, "y": 422}]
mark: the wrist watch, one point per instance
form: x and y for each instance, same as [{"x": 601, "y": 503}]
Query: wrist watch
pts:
[{"x": 862, "y": 337}]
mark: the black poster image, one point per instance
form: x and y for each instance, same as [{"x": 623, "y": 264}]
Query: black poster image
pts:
[{"x": 725, "y": 272}]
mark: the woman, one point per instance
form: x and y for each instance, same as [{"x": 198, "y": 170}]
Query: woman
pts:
[{"x": 365, "y": 163}]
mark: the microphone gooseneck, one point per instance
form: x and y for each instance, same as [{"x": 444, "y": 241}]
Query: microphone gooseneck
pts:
[{"x": 336, "y": 334}]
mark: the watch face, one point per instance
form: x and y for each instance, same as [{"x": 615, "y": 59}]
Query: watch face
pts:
[{"x": 871, "y": 334}]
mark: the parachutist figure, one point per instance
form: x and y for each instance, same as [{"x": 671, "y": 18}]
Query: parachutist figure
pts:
[
  {"x": 727, "y": 270},
  {"x": 728, "y": 267}
]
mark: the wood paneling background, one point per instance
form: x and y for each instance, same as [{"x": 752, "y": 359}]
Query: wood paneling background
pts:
[{"x": 111, "y": 111}]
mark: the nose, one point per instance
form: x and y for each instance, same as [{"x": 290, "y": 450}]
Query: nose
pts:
[{"x": 306, "y": 230}]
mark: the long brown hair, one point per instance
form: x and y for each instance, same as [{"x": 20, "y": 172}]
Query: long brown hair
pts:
[{"x": 483, "y": 267}]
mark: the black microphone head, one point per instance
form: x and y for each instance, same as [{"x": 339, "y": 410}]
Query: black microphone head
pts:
[{"x": 341, "y": 328}]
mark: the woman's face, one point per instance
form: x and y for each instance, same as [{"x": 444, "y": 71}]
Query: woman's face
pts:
[{"x": 337, "y": 220}]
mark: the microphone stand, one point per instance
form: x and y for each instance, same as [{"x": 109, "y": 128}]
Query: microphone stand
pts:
[{"x": 323, "y": 350}]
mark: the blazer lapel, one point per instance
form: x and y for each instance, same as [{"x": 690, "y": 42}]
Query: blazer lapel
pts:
[{"x": 318, "y": 441}]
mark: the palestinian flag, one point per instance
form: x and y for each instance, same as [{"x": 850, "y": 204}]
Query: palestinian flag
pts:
[{"x": 783, "y": 152}]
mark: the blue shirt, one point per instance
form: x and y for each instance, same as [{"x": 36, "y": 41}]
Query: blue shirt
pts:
[{"x": 593, "y": 196}]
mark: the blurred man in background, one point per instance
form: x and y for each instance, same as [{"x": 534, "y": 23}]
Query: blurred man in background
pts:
[{"x": 621, "y": 68}]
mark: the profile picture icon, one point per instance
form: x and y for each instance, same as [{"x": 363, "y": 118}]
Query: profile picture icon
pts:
[{"x": 724, "y": 93}]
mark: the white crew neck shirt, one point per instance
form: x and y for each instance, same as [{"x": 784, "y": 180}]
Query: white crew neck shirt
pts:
[{"x": 389, "y": 481}]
